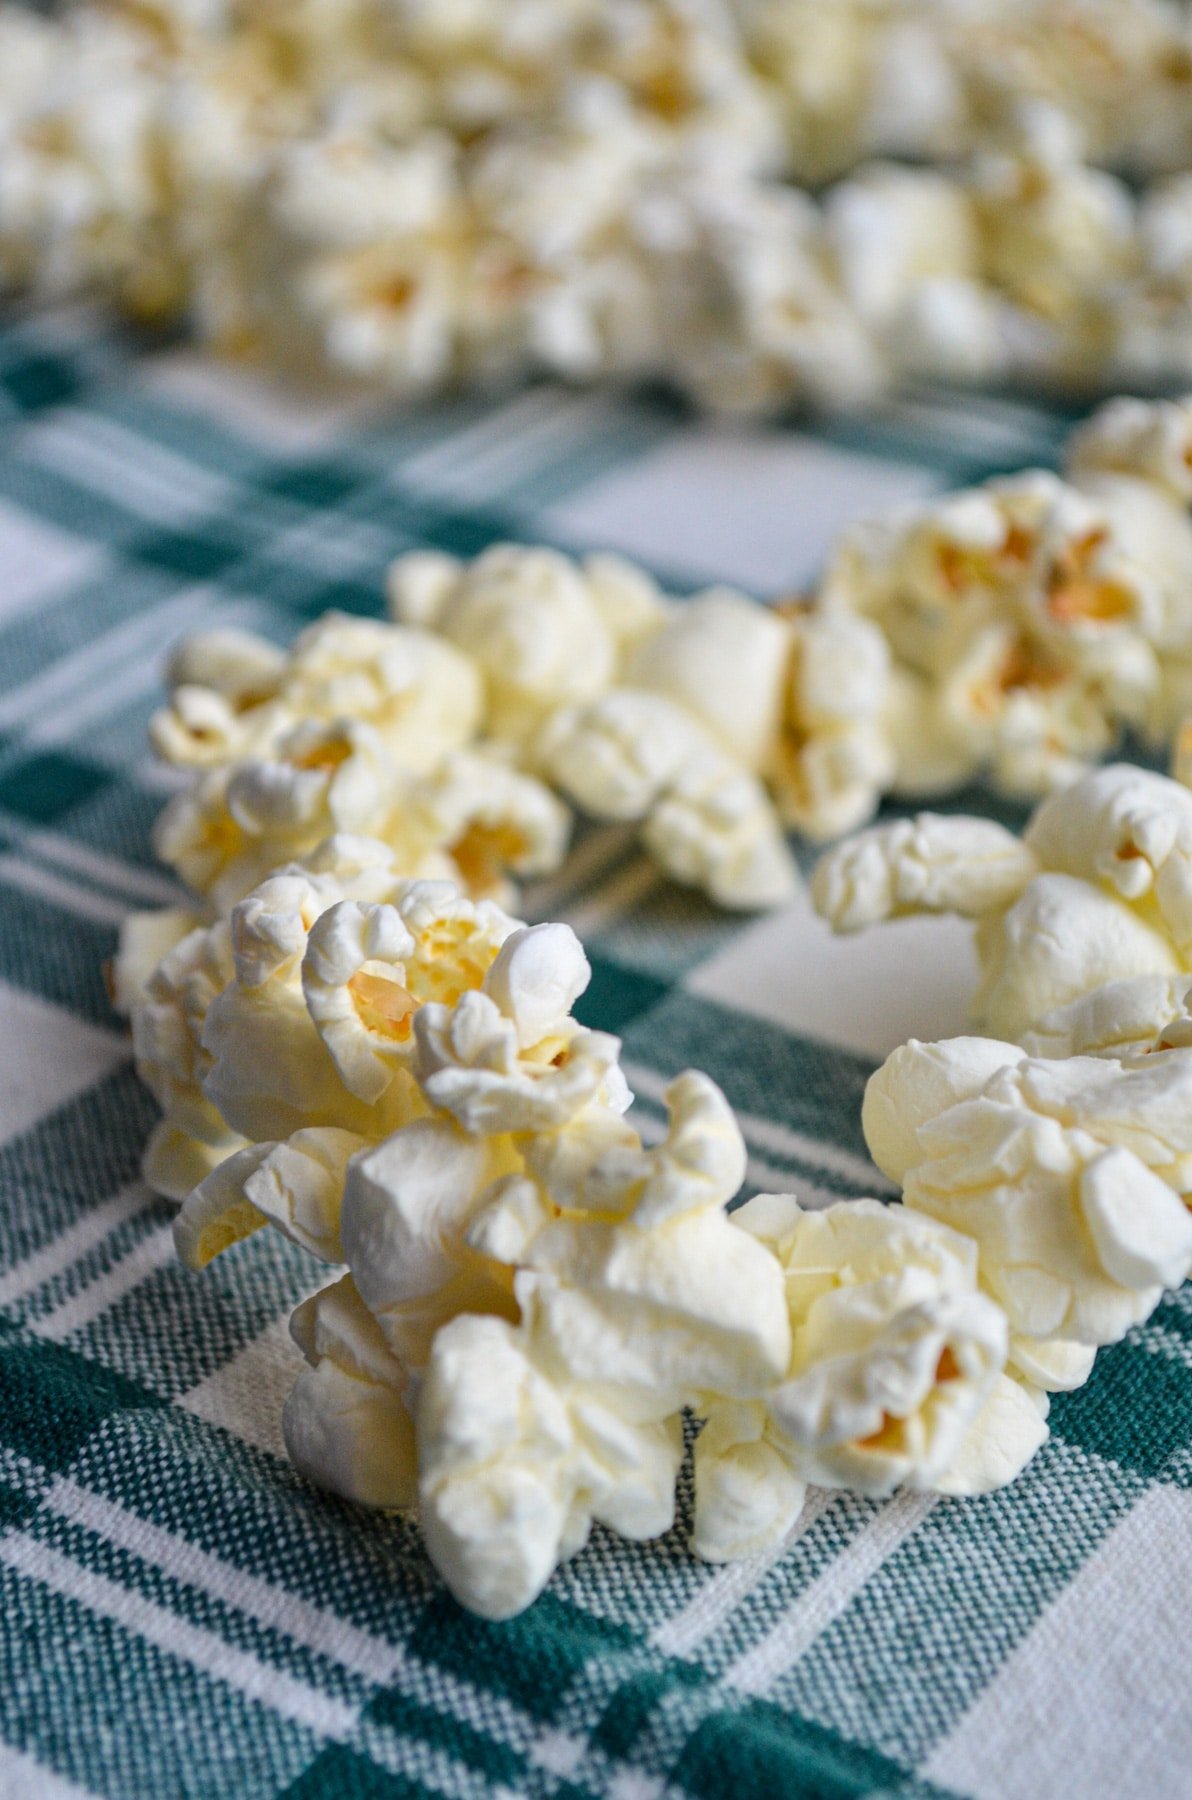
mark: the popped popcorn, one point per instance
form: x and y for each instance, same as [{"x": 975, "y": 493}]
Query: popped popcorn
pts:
[
  {"x": 1096, "y": 891},
  {"x": 1069, "y": 1174},
  {"x": 895, "y": 1359},
  {"x": 506, "y": 1491}
]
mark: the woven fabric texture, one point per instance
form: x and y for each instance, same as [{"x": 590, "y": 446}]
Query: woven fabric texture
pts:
[{"x": 179, "y": 1614}]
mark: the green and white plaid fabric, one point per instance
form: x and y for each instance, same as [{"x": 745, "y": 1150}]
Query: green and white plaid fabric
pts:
[{"x": 180, "y": 1615}]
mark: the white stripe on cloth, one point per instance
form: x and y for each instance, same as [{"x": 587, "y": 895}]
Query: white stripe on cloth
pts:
[
  {"x": 43, "y": 884},
  {"x": 731, "y": 1585},
  {"x": 72, "y": 1243},
  {"x": 151, "y": 1253},
  {"x": 1094, "y": 1702},
  {"x": 21, "y": 1778},
  {"x": 827, "y": 1597},
  {"x": 109, "y": 871},
  {"x": 301, "y": 1621},
  {"x": 246, "y": 1394},
  {"x": 290, "y": 1698}
]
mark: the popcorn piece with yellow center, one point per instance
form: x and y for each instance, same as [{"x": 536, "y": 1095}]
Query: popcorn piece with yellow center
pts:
[
  {"x": 270, "y": 1072},
  {"x": 473, "y": 818},
  {"x": 508, "y": 1056},
  {"x": 224, "y": 701},
  {"x": 369, "y": 967},
  {"x": 488, "y": 820},
  {"x": 1068, "y": 1175},
  {"x": 638, "y": 1296},
  {"x": 1098, "y": 890},
  {"x": 235, "y": 695},
  {"x": 238, "y": 822},
  {"x": 1027, "y": 621},
  {"x": 309, "y": 1043},
  {"x": 896, "y": 1376}
]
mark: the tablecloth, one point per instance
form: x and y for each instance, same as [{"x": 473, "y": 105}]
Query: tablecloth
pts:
[{"x": 180, "y": 1614}]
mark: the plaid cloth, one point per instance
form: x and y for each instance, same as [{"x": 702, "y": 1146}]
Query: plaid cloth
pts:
[{"x": 180, "y": 1614}]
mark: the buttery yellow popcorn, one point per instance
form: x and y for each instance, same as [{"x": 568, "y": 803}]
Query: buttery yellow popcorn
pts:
[{"x": 1026, "y": 619}]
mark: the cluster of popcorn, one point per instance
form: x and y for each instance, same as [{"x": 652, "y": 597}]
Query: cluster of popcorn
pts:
[
  {"x": 714, "y": 723},
  {"x": 507, "y": 690},
  {"x": 528, "y": 1298},
  {"x": 1032, "y": 620},
  {"x": 1011, "y": 632},
  {"x": 363, "y": 727},
  {"x": 356, "y": 1045},
  {"x": 417, "y": 192}
]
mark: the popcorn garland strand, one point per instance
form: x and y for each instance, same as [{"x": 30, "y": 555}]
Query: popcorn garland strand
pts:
[
  {"x": 423, "y": 191},
  {"x": 1013, "y": 631},
  {"x": 392, "y": 1076},
  {"x": 356, "y": 1052}
]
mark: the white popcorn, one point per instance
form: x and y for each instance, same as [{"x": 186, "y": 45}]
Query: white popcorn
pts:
[
  {"x": 834, "y": 755},
  {"x": 1028, "y": 620},
  {"x": 633, "y": 755},
  {"x": 895, "y": 231},
  {"x": 1099, "y": 890},
  {"x": 175, "y": 1161},
  {"x": 169, "y": 1015},
  {"x": 488, "y": 821},
  {"x": 270, "y": 1073},
  {"x": 369, "y": 967},
  {"x": 895, "y": 1362},
  {"x": 617, "y": 756},
  {"x": 926, "y": 864},
  {"x": 407, "y": 1206},
  {"x": 1141, "y": 1013},
  {"x": 1053, "y": 230},
  {"x": 235, "y": 695},
  {"x": 419, "y": 694},
  {"x": 527, "y": 1434},
  {"x": 516, "y": 1461},
  {"x": 346, "y": 1422},
  {"x": 527, "y": 618},
  {"x": 1150, "y": 439},
  {"x": 714, "y": 828},
  {"x": 239, "y": 821},
  {"x": 1062, "y": 1172},
  {"x": 145, "y": 938},
  {"x": 725, "y": 660}
]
